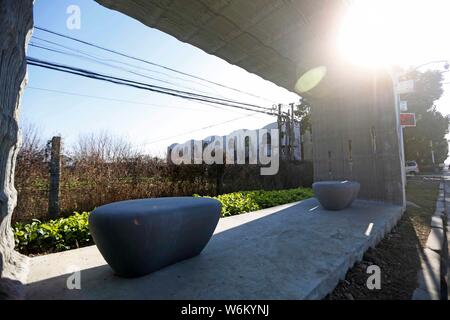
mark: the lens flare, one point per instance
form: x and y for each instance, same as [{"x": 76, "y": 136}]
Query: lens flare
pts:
[{"x": 310, "y": 79}]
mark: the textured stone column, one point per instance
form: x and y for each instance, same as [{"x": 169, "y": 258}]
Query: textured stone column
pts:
[
  {"x": 16, "y": 22},
  {"x": 356, "y": 134}
]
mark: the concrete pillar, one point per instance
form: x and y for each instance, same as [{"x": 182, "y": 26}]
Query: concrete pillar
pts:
[
  {"x": 16, "y": 22},
  {"x": 356, "y": 134},
  {"x": 307, "y": 151}
]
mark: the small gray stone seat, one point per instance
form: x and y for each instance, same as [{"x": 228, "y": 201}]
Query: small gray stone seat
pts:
[
  {"x": 336, "y": 195},
  {"x": 137, "y": 237}
]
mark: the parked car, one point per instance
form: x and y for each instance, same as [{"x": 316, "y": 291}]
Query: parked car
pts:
[{"x": 411, "y": 167}]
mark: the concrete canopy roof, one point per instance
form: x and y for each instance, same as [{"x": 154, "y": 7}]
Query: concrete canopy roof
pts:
[{"x": 278, "y": 40}]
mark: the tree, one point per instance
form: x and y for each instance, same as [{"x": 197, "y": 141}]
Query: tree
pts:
[
  {"x": 102, "y": 147},
  {"x": 32, "y": 145},
  {"x": 431, "y": 125},
  {"x": 302, "y": 111}
]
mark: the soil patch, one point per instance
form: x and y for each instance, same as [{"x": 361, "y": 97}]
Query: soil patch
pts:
[{"x": 397, "y": 254}]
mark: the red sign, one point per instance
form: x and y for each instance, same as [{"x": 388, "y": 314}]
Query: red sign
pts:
[{"x": 408, "y": 119}]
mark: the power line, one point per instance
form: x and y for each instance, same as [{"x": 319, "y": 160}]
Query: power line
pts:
[
  {"x": 145, "y": 86},
  {"x": 149, "y": 62},
  {"x": 128, "y": 101},
  {"x": 99, "y": 76},
  {"x": 111, "y": 99},
  {"x": 125, "y": 63},
  {"x": 195, "y": 130},
  {"x": 114, "y": 66}
]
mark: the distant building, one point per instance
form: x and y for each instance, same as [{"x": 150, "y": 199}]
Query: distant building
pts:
[{"x": 285, "y": 138}]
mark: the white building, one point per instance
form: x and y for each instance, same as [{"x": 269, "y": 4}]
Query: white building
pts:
[{"x": 284, "y": 141}]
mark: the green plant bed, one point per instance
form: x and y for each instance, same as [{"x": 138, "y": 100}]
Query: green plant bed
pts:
[
  {"x": 73, "y": 232},
  {"x": 246, "y": 201},
  {"x": 53, "y": 236}
]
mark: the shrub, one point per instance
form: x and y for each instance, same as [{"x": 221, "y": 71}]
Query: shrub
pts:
[
  {"x": 246, "y": 201},
  {"x": 54, "y": 235},
  {"x": 88, "y": 182},
  {"x": 73, "y": 232}
]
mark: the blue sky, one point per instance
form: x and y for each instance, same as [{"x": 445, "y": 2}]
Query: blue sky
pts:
[{"x": 72, "y": 116}]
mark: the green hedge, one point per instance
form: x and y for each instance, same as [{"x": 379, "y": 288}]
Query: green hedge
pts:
[
  {"x": 54, "y": 235},
  {"x": 246, "y": 201},
  {"x": 73, "y": 232}
]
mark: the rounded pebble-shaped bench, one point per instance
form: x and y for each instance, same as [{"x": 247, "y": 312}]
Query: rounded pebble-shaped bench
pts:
[
  {"x": 336, "y": 195},
  {"x": 137, "y": 237}
]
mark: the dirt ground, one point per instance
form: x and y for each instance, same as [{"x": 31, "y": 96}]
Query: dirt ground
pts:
[{"x": 397, "y": 254}]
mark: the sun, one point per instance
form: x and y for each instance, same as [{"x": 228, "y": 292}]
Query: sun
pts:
[{"x": 394, "y": 32}]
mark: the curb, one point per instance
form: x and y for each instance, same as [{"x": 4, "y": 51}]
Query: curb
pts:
[{"x": 434, "y": 274}]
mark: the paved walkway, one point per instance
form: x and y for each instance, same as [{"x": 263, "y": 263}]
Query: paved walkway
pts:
[{"x": 294, "y": 251}]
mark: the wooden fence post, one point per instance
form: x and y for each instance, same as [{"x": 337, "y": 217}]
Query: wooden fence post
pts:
[{"x": 55, "y": 176}]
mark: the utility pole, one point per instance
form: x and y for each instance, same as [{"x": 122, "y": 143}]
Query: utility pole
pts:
[
  {"x": 55, "y": 176},
  {"x": 287, "y": 135},
  {"x": 432, "y": 155},
  {"x": 279, "y": 120},
  {"x": 395, "y": 81},
  {"x": 292, "y": 133},
  {"x": 432, "y": 151}
]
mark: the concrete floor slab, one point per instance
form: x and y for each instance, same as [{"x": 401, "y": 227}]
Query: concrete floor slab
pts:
[{"x": 294, "y": 251}]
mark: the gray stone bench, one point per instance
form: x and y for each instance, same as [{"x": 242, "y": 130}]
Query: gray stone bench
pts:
[
  {"x": 336, "y": 195},
  {"x": 137, "y": 237}
]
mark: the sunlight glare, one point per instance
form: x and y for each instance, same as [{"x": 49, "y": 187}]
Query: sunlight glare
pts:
[{"x": 401, "y": 32}]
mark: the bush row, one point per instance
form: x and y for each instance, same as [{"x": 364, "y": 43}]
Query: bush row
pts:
[
  {"x": 246, "y": 201},
  {"x": 73, "y": 232},
  {"x": 92, "y": 182},
  {"x": 54, "y": 235}
]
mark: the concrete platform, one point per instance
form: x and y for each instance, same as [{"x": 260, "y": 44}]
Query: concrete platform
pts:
[{"x": 294, "y": 251}]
